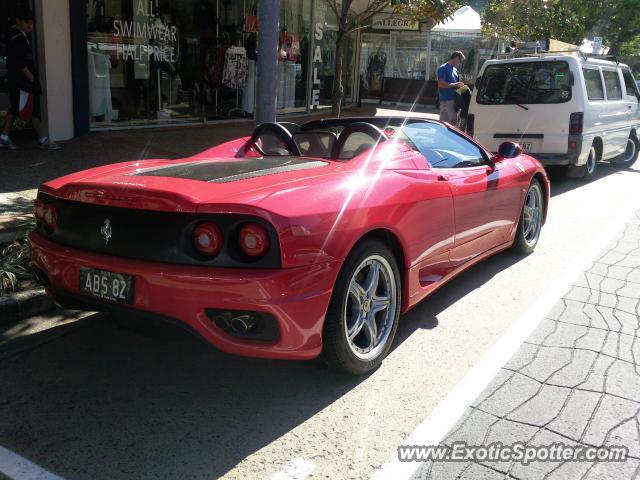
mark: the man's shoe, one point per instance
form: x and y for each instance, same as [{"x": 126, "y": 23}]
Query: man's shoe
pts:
[
  {"x": 48, "y": 144},
  {"x": 7, "y": 143}
]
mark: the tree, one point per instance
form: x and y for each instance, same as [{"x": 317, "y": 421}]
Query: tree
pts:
[
  {"x": 617, "y": 21},
  {"x": 535, "y": 19},
  {"x": 352, "y": 15}
]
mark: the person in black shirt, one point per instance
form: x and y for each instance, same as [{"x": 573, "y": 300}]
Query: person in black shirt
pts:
[{"x": 21, "y": 76}]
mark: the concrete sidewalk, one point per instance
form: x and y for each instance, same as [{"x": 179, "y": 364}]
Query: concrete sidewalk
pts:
[{"x": 575, "y": 381}]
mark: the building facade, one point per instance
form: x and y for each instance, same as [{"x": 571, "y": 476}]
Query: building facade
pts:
[{"x": 108, "y": 64}]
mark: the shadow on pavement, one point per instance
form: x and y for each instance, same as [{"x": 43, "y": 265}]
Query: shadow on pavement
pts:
[
  {"x": 560, "y": 184},
  {"x": 104, "y": 402},
  {"x": 425, "y": 314}
]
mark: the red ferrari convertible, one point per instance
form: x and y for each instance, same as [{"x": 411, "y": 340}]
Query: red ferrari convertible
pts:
[{"x": 296, "y": 242}]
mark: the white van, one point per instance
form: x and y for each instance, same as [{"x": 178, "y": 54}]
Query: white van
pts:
[{"x": 563, "y": 109}]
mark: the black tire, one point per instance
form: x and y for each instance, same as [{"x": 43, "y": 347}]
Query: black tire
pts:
[
  {"x": 525, "y": 243},
  {"x": 338, "y": 351},
  {"x": 630, "y": 155},
  {"x": 586, "y": 172}
]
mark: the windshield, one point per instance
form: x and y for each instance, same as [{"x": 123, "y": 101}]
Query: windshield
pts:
[
  {"x": 525, "y": 83},
  {"x": 441, "y": 147}
]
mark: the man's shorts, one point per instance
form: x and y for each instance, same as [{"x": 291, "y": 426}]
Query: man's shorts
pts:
[
  {"x": 448, "y": 112},
  {"x": 14, "y": 101}
]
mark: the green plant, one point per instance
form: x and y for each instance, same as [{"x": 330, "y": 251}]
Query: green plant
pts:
[{"x": 15, "y": 261}]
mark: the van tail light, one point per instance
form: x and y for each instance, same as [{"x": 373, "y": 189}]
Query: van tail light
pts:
[
  {"x": 470, "y": 124},
  {"x": 207, "y": 238},
  {"x": 254, "y": 240},
  {"x": 575, "y": 123},
  {"x": 50, "y": 217}
]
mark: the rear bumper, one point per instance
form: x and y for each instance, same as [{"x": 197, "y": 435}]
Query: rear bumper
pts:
[
  {"x": 550, "y": 159},
  {"x": 558, "y": 145},
  {"x": 297, "y": 298}
]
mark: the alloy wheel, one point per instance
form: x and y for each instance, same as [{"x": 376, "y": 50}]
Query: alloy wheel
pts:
[
  {"x": 532, "y": 215},
  {"x": 370, "y": 307}
]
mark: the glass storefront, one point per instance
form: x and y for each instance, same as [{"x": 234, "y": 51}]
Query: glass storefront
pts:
[
  {"x": 406, "y": 55},
  {"x": 393, "y": 55},
  {"x": 397, "y": 54},
  {"x": 476, "y": 48},
  {"x": 294, "y": 45},
  {"x": 143, "y": 61},
  {"x": 160, "y": 61},
  {"x": 323, "y": 58}
]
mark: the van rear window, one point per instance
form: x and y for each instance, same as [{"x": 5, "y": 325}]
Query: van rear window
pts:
[{"x": 525, "y": 82}]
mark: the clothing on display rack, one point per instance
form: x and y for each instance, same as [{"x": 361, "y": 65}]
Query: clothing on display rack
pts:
[
  {"x": 251, "y": 44},
  {"x": 100, "y": 85},
  {"x": 289, "y": 46},
  {"x": 235, "y": 67},
  {"x": 249, "y": 92}
]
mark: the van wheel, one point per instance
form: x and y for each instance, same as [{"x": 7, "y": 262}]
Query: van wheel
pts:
[
  {"x": 586, "y": 172},
  {"x": 630, "y": 154}
]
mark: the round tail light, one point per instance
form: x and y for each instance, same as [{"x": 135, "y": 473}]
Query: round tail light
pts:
[
  {"x": 50, "y": 217},
  {"x": 207, "y": 239},
  {"x": 254, "y": 240}
]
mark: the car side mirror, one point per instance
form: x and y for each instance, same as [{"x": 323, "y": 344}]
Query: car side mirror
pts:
[{"x": 509, "y": 150}]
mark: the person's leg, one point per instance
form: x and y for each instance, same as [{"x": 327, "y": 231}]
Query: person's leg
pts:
[
  {"x": 12, "y": 113},
  {"x": 36, "y": 123},
  {"x": 43, "y": 140},
  {"x": 447, "y": 111},
  {"x": 8, "y": 123},
  {"x": 443, "y": 111}
]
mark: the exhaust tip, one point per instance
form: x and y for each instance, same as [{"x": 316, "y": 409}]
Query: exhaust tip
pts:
[
  {"x": 242, "y": 323},
  {"x": 245, "y": 325},
  {"x": 223, "y": 321}
]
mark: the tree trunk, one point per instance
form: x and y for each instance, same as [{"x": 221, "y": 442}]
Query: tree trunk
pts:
[{"x": 338, "y": 90}]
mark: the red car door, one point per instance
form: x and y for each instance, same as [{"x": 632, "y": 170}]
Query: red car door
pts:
[
  {"x": 486, "y": 198},
  {"x": 486, "y": 203}
]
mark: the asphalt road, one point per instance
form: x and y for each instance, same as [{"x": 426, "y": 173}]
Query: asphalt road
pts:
[{"x": 107, "y": 403}]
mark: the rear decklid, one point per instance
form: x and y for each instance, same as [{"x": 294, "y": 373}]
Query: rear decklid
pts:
[{"x": 180, "y": 186}]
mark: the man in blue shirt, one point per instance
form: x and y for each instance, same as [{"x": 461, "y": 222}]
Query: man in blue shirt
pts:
[{"x": 448, "y": 82}]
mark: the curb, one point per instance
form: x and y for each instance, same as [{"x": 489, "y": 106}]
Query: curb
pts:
[
  {"x": 10, "y": 227},
  {"x": 26, "y": 338},
  {"x": 14, "y": 308}
]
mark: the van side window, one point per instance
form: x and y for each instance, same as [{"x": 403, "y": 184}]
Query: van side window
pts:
[
  {"x": 612, "y": 83},
  {"x": 629, "y": 83},
  {"x": 593, "y": 81}
]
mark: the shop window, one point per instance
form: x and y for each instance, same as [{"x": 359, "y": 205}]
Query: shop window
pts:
[{"x": 142, "y": 61}]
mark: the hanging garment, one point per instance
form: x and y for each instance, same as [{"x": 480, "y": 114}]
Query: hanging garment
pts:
[
  {"x": 249, "y": 92},
  {"x": 235, "y": 67},
  {"x": 100, "y": 85},
  {"x": 290, "y": 45}
]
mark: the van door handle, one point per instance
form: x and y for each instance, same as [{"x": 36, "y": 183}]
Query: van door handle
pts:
[{"x": 443, "y": 178}]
